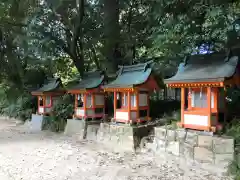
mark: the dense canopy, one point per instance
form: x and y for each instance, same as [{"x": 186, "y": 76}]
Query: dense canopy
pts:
[{"x": 66, "y": 38}]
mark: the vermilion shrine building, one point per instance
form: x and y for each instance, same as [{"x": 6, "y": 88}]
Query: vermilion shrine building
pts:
[
  {"x": 89, "y": 96},
  {"x": 131, "y": 91},
  {"x": 48, "y": 94},
  {"x": 202, "y": 79}
]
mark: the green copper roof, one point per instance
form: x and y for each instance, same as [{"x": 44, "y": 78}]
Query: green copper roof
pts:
[
  {"x": 130, "y": 76},
  {"x": 52, "y": 84},
  {"x": 90, "y": 80},
  {"x": 205, "y": 68}
]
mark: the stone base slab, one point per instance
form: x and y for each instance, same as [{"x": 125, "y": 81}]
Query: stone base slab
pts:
[
  {"x": 74, "y": 126},
  {"x": 84, "y": 129},
  {"x": 38, "y": 122},
  {"x": 123, "y": 137}
]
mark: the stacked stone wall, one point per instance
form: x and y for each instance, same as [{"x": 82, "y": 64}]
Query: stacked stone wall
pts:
[
  {"x": 193, "y": 145},
  {"x": 190, "y": 145}
]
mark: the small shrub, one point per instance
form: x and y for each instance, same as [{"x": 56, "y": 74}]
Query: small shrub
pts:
[
  {"x": 20, "y": 108},
  {"x": 233, "y": 129},
  {"x": 234, "y": 169},
  {"x": 158, "y": 108},
  {"x": 63, "y": 109},
  {"x": 172, "y": 118}
]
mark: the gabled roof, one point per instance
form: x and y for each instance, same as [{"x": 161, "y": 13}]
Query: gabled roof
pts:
[
  {"x": 215, "y": 67},
  {"x": 90, "y": 80},
  {"x": 51, "y": 85},
  {"x": 130, "y": 76}
]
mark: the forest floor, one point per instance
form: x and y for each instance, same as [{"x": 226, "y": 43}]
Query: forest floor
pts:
[{"x": 51, "y": 156}]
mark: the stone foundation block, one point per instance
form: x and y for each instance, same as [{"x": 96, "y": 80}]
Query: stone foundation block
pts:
[
  {"x": 126, "y": 143},
  {"x": 121, "y": 136},
  {"x": 92, "y": 132},
  {"x": 191, "y": 138},
  {"x": 205, "y": 141},
  {"x": 181, "y": 135},
  {"x": 160, "y": 145},
  {"x": 84, "y": 129},
  {"x": 103, "y": 136},
  {"x": 126, "y": 139},
  {"x": 152, "y": 147},
  {"x": 186, "y": 151},
  {"x": 104, "y": 127},
  {"x": 115, "y": 139},
  {"x": 126, "y": 130},
  {"x": 171, "y": 135},
  {"x": 160, "y": 132},
  {"x": 38, "y": 123},
  {"x": 113, "y": 129},
  {"x": 74, "y": 126},
  {"x": 203, "y": 155},
  {"x": 223, "y": 145},
  {"x": 173, "y": 148},
  {"x": 223, "y": 159}
]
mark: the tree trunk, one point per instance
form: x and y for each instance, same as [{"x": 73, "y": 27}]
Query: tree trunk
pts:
[
  {"x": 95, "y": 59},
  {"x": 112, "y": 35},
  {"x": 79, "y": 63}
]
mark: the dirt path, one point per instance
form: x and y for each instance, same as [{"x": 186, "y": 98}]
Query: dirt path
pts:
[{"x": 49, "y": 156}]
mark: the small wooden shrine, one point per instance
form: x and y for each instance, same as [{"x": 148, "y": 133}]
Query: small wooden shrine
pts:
[
  {"x": 131, "y": 91},
  {"x": 203, "y": 79},
  {"x": 89, "y": 96},
  {"x": 47, "y": 94}
]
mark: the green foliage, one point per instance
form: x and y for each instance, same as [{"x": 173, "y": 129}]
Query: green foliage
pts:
[
  {"x": 161, "y": 108},
  {"x": 189, "y": 25},
  {"x": 234, "y": 168},
  {"x": 40, "y": 38},
  {"x": 20, "y": 108},
  {"x": 233, "y": 130},
  {"x": 63, "y": 109},
  {"x": 233, "y": 94},
  {"x": 64, "y": 68}
]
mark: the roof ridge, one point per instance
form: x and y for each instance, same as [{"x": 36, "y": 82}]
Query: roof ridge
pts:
[
  {"x": 207, "y": 66},
  {"x": 134, "y": 67},
  {"x": 93, "y": 73}
]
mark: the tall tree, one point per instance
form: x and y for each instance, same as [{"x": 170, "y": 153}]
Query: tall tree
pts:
[
  {"x": 184, "y": 26},
  {"x": 14, "y": 58},
  {"x": 111, "y": 34},
  {"x": 61, "y": 23}
]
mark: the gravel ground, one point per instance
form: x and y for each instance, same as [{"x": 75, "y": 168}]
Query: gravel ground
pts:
[{"x": 49, "y": 156}]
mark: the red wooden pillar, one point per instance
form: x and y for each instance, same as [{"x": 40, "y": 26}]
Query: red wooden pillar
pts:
[
  {"x": 76, "y": 105},
  {"x": 85, "y": 105},
  {"x": 225, "y": 104},
  {"x": 104, "y": 105},
  {"x": 209, "y": 107},
  {"x": 182, "y": 106},
  {"x": 44, "y": 102},
  {"x": 148, "y": 105},
  {"x": 129, "y": 106},
  {"x": 115, "y": 104},
  {"x": 137, "y": 105},
  {"x": 189, "y": 98},
  {"x": 38, "y": 104},
  {"x": 216, "y": 104},
  {"x": 93, "y": 101}
]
